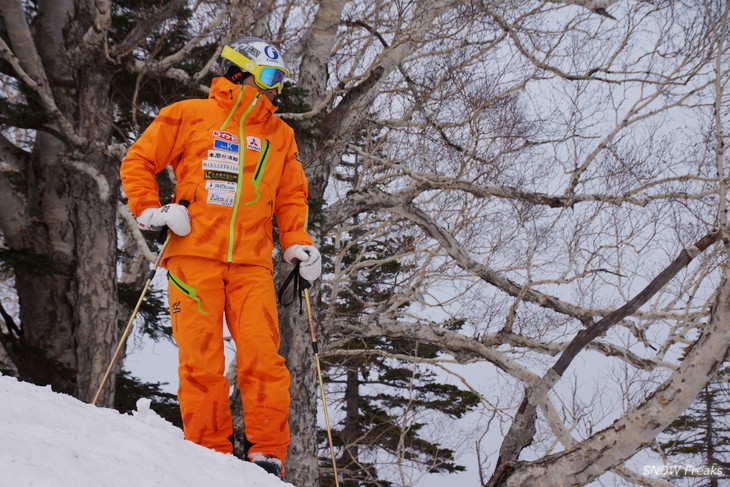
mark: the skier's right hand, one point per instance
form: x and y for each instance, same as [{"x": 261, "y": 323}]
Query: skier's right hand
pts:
[
  {"x": 310, "y": 267},
  {"x": 173, "y": 216}
]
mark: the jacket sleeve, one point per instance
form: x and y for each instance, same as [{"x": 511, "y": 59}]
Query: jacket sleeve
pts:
[
  {"x": 291, "y": 201},
  {"x": 157, "y": 147}
]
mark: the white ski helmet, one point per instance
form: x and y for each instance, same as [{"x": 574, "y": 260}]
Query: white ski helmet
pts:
[{"x": 258, "y": 57}]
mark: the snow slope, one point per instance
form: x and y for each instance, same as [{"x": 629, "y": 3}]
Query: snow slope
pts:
[{"x": 54, "y": 440}]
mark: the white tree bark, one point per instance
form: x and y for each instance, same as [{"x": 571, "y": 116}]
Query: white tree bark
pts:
[{"x": 589, "y": 459}]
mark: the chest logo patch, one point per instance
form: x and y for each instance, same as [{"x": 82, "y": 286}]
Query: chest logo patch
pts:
[
  {"x": 253, "y": 143},
  {"x": 225, "y": 145},
  {"x": 221, "y": 155},
  {"x": 220, "y": 176},
  {"x": 224, "y": 186},
  {"x": 220, "y": 166},
  {"x": 223, "y": 199},
  {"x": 226, "y": 136}
]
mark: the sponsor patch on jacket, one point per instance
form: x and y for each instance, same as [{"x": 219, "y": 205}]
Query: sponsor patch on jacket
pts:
[
  {"x": 253, "y": 143},
  {"x": 220, "y": 176},
  {"x": 225, "y": 186},
  {"x": 223, "y": 199},
  {"x": 220, "y": 166},
  {"x": 227, "y": 136},
  {"x": 219, "y": 155},
  {"x": 225, "y": 145}
]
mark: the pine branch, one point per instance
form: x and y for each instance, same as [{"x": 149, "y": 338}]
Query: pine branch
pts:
[{"x": 145, "y": 27}]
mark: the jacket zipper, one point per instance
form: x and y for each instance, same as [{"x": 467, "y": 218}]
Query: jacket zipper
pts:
[
  {"x": 232, "y": 226},
  {"x": 258, "y": 174}
]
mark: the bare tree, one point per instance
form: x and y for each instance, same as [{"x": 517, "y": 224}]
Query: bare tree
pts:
[{"x": 542, "y": 154}]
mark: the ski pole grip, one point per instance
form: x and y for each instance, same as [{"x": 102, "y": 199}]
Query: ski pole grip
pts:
[{"x": 303, "y": 283}]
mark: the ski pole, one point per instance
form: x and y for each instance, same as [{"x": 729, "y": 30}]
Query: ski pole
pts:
[
  {"x": 128, "y": 329},
  {"x": 315, "y": 347}
]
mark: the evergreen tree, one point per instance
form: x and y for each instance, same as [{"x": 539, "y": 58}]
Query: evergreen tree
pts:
[
  {"x": 701, "y": 436},
  {"x": 130, "y": 389},
  {"x": 385, "y": 397}
]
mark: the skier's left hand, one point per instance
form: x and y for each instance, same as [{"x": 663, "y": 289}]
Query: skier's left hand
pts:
[
  {"x": 173, "y": 216},
  {"x": 310, "y": 267}
]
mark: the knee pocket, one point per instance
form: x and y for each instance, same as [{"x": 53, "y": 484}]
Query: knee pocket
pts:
[{"x": 186, "y": 289}]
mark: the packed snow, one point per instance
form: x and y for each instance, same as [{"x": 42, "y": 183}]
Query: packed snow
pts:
[{"x": 54, "y": 440}]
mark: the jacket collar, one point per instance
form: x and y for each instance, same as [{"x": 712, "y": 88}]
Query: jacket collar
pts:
[{"x": 226, "y": 93}]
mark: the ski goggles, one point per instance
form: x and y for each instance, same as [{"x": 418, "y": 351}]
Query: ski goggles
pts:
[{"x": 265, "y": 77}]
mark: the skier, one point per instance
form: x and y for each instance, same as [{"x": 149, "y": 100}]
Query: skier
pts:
[{"x": 237, "y": 164}]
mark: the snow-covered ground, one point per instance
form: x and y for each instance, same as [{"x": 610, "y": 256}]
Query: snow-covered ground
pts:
[{"x": 54, "y": 440}]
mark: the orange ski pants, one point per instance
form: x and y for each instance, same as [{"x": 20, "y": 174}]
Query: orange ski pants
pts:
[{"x": 201, "y": 291}]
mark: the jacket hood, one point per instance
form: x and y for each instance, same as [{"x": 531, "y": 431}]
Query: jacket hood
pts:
[{"x": 226, "y": 93}]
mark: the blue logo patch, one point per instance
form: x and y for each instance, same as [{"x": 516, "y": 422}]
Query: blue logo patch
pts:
[
  {"x": 271, "y": 52},
  {"x": 225, "y": 145}
]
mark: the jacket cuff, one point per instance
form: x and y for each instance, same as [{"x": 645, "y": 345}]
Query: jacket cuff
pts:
[{"x": 292, "y": 238}]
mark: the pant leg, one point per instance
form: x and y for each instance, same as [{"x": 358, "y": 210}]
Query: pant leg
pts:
[
  {"x": 262, "y": 376},
  {"x": 197, "y": 300}
]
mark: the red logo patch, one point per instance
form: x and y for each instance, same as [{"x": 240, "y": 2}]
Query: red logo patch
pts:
[{"x": 219, "y": 134}]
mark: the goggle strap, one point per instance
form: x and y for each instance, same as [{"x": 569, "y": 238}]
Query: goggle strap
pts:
[{"x": 236, "y": 57}]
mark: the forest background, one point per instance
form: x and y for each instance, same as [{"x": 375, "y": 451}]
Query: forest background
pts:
[{"x": 522, "y": 207}]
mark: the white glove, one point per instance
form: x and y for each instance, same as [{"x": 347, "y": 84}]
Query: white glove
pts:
[
  {"x": 311, "y": 261},
  {"x": 175, "y": 217}
]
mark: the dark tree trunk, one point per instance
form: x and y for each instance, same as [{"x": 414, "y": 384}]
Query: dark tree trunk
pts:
[{"x": 68, "y": 296}]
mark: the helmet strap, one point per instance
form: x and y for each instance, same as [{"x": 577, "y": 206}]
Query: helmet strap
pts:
[{"x": 236, "y": 75}]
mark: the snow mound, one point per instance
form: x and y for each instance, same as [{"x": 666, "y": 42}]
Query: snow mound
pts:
[{"x": 54, "y": 440}]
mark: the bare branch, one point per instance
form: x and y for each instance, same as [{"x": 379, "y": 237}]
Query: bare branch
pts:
[
  {"x": 134, "y": 230},
  {"x": 12, "y": 156},
  {"x": 451, "y": 341},
  {"x": 522, "y": 430},
  {"x": 597, "y": 6},
  {"x": 638, "y": 427},
  {"x": 29, "y": 66},
  {"x": 719, "y": 93},
  {"x": 93, "y": 173}
]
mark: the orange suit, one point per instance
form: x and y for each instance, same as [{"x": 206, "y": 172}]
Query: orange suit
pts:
[{"x": 237, "y": 165}]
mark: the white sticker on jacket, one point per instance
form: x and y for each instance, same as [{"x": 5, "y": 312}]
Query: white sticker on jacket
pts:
[
  {"x": 220, "y": 166},
  {"x": 227, "y": 136},
  {"x": 253, "y": 143},
  {"x": 218, "y": 155},
  {"x": 225, "y": 186},
  {"x": 223, "y": 199}
]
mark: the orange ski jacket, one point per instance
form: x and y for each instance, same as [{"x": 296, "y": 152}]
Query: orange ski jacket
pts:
[{"x": 238, "y": 166}]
